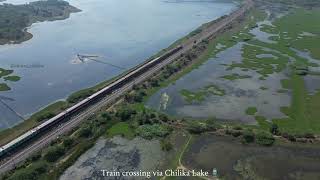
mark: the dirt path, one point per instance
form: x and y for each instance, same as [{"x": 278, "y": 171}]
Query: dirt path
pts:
[{"x": 184, "y": 168}]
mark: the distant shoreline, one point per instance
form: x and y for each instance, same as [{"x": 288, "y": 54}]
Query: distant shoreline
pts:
[{"x": 16, "y": 33}]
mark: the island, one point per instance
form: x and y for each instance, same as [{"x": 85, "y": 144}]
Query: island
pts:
[
  {"x": 6, "y": 75},
  {"x": 14, "y": 19}
]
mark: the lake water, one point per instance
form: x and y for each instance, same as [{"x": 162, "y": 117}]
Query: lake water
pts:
[{"x": 121, "y": 32}]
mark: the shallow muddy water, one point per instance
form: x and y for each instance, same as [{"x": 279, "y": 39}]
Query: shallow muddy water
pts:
[
  {"x": 239, "y": 94},
  {"x": 116, "y": 154},
  {"x": 234, "y": 160}
]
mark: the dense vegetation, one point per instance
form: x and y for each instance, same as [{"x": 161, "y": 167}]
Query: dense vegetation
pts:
[{"x": 15, "y": 18}]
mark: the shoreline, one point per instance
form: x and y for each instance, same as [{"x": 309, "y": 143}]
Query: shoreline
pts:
[{"x": 69, "y": 9}]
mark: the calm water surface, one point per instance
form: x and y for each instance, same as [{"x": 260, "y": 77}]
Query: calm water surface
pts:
[{"x": 122, "y": 32}]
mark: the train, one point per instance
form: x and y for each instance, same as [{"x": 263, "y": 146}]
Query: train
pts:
[{"x": 12, "y": 146}]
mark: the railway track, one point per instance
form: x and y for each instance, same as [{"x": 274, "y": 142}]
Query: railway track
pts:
[{"x": 12, "y": 161}]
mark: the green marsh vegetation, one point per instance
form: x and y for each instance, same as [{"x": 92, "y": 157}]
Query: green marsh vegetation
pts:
[
  {"x": 288, "y": 32},
  {"x": 123, "y": 129},
  {"x": 264, "y": 66},
  {"x": 251, "y": 111},
  {"x": 5, "y": 74},
  {"x": 201, "y": 94},
  {"x": 235, "y": 76},
  {"x": 282, "y": 58},
  {"x": 12, "y": 78},
  {"x": 298, "y": 30},
  {"x": 4, "y": 87},
  {"x": 238, "y": 33}
]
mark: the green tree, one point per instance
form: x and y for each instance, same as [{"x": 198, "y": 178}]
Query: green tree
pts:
[
  {"x": 154, "y": 83},
  {"x": 125, "y": 113},
  {"x": 67, "y": 142},
  {"x": 54, "y": 153},
  {"x": 31, "y": 172},
  {"x": 248, "y": 136},
  {"x": 264, "y": 138},
  {"x": 138, "y": 97},
  {"x": 85, "y": 132},
  {"x": 106, "y": 116}
]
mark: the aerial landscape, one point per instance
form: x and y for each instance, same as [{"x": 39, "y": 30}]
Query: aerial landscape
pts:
[{"x": 160, "y": 89}]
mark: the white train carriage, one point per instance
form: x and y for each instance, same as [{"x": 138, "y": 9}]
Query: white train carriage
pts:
[
  {"x": 30, "y": 134},
  {"x": 51, "y": 121},
  {"x": 16, "y": 142}
]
